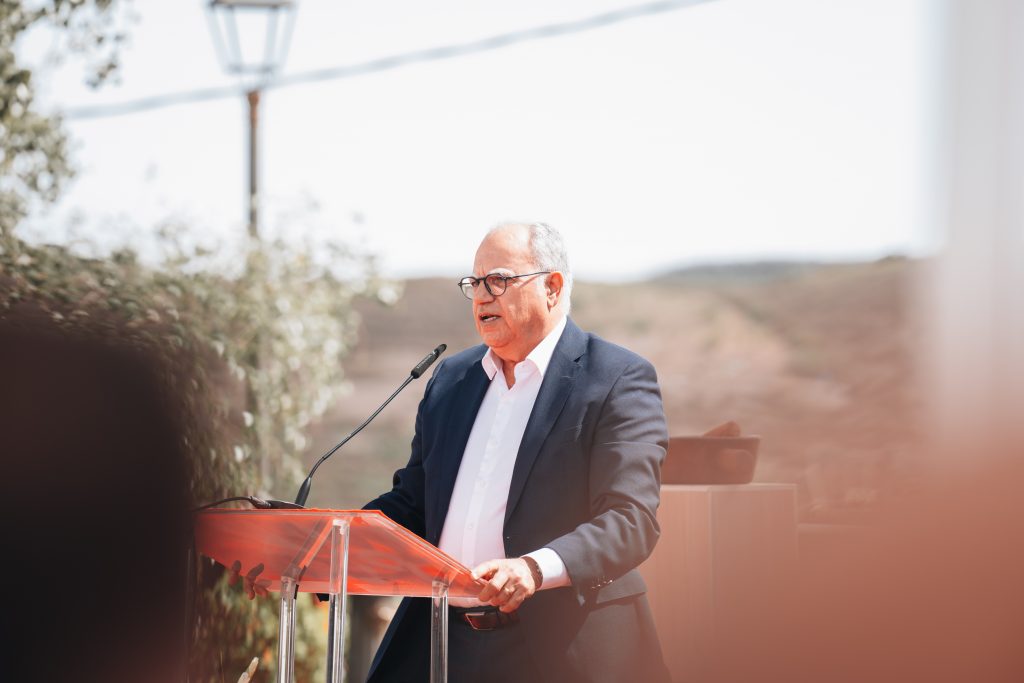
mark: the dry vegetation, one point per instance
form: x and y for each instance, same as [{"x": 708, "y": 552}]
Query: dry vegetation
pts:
[{"x": 818, "y": 360}]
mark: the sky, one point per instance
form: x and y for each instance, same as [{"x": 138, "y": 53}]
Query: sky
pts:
[{"x": 728, "y": 130}]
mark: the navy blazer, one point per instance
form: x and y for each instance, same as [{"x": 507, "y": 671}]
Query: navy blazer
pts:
[{"x": 586, "y": 484}]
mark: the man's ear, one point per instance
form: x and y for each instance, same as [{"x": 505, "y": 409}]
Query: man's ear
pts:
[{"x": 554, "y": 288}]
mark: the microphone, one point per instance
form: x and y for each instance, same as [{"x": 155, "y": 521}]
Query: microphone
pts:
[
  {"x": 257, "y": 503},
  {"x": 422, "y": 366},
  {"x": 271, "y": 504},
  {"x": 415, "y": 373}
]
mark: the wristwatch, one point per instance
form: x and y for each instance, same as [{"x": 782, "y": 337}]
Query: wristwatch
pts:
[{"x": 538, "y": 575}]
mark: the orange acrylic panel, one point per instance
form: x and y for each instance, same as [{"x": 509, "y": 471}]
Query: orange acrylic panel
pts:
[{"x": 384, "y": 557}]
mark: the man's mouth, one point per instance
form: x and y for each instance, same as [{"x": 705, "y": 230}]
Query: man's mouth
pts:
[{"x": 488, "y": 317}]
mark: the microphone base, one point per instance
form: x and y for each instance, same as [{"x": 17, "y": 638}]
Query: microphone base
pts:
[{"x": 283, "y": 505}]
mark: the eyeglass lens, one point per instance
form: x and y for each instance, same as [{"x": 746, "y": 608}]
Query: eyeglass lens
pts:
[{"x": 494, "y": 284}]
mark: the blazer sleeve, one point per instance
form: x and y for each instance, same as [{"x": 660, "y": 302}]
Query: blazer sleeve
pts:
[{"x": 627, "y": 450}]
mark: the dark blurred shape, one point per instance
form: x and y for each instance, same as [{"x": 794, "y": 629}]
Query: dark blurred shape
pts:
[
  {"x": 95, "y": 509},
  {"x": 710, "y": 460}
]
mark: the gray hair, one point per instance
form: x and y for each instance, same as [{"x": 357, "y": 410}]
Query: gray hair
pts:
[{"x": 549, "y": 252}]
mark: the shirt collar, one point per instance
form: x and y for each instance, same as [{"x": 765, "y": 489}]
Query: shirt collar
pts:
[{"x": 541, "y": 354}]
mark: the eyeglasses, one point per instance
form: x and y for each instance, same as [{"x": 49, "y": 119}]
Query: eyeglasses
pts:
[{"x": 494, "y": 284}]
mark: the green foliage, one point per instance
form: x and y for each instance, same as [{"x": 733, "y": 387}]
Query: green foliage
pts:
[
  {"x": 33, "y": 146},
  {"x": 250, "y": 358}
]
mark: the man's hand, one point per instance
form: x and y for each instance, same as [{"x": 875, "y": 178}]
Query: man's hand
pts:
[
  {"x": 252, "y": 585},
  {"x": 508, "y": 582}
]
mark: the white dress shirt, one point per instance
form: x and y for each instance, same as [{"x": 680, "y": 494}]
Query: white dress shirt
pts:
[{"x": 473, "y": 528}]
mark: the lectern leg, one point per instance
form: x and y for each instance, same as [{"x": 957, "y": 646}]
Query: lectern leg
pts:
[
  {"x": 286, "y": 633},
  {"x": 439, "y": 633},
  {"x": 339, "y": 593}
]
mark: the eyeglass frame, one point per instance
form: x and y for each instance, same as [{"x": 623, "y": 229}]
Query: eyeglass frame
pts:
[{"x": 473, "y": 282}]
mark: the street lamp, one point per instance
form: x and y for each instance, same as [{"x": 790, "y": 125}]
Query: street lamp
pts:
[
  {"x": 252, "y": 36},
  {"x": 252, "y": 39}
]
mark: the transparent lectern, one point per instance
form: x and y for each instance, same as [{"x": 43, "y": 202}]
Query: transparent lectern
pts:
[{"x": 340, "y": 552}]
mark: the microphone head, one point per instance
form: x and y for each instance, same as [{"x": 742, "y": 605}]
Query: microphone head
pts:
[{"x": 422, "y": 366}]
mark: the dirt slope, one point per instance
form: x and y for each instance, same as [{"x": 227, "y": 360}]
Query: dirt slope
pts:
[{"x": 818, "y": 359}]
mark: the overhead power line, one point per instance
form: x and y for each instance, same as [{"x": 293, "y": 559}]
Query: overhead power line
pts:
[{"x": 385, "y": 63}]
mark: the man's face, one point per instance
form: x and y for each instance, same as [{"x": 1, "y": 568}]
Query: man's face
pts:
[{"x": 515, "y": 322}]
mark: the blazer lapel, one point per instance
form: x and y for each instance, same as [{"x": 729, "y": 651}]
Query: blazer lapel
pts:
[
  {"x": 466, "y": 399},
  {"x": 554, "y": 391}
]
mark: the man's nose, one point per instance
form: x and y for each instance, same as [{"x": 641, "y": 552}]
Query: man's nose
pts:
[{"x": 480, "y": 293}]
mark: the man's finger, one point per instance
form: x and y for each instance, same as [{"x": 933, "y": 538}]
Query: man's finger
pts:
[
  {"x": 495, "y": 584},
  {"x": 485, "y": 570},
  {"x": 506, "y": 590},
  {"x": 254, "y": 572},
  {"x": 513, "y": 604},
  {"x": 506, "y": 594},
  {"x": 500, "y": 578}
]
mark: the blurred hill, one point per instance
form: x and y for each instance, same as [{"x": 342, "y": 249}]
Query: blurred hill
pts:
[{"x": 816, "y": 358}]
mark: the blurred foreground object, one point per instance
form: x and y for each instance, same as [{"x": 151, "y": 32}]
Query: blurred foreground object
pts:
[
  {"x": 974, "y": 298},
  {"x": 929, "y": 587},
  {"x": 96, "y": 529}
]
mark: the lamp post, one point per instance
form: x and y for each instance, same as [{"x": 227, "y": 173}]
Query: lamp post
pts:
[{"x": 252, "y": 39}]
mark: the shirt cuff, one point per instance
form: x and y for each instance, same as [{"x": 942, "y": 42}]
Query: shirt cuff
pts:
[{"x": 551, "y": 567}]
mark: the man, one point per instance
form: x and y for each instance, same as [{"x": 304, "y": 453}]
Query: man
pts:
[{"x": 536, "y": 461}]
